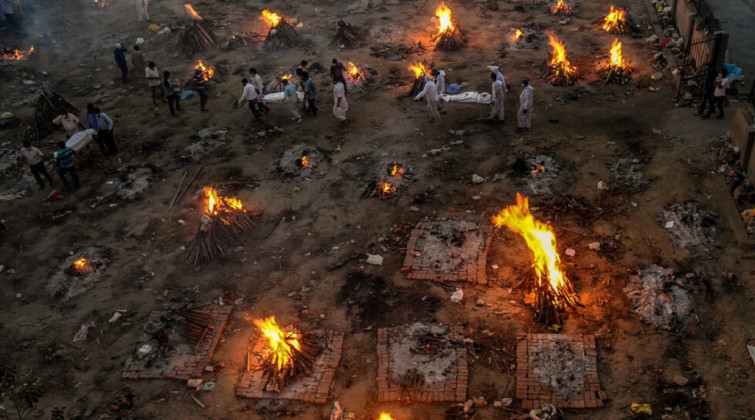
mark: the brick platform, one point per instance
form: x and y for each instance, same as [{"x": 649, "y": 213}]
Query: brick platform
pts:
[
  {"x": 532, "y": 388},
  {"x": 447, "y": 386},
  {"x": 187, "y": 362},
  {"x": 433, "y": 253},
  {"x": 313, "y": 388}
]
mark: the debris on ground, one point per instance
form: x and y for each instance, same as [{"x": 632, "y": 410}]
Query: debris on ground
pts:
[{"x": 659, "y": 297}]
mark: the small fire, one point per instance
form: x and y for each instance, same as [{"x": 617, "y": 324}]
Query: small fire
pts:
[
  {"x": 617, "y": 61},
  {"x": 420, "y": 69},
  {"x": 271, "y": 17},
  {"x": 615, "y": 20},
  {"x": 385, "y": 416},
  {"x": 561, "y": 7},
  {"x": 518, "y": 34},
  {"x": 216, "y": 203},
  {"x": 539, "y": 168},
  {"x": 288, "y": 76},
  {"x": 15, "y": 53},
  {"x": 207, "y": 72},
  {"x": 305, "y": 162},
  {"x": 396, "y": 170},
  {"x": 282, "y": 344},
  {"x": 355, "y": 73},
  {"x": 80, "y": 264},
  {"x": 386, "y": 188},
  {"x": 193, "y": 13},
  {"x": 541, "y": 240},
  {"x": 445, "y": 20},
  {"x": 559, "y": 63}
]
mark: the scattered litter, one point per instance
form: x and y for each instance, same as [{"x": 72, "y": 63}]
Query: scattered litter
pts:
[
  {"x": 208, "y": 386},
  {"x": 571, "y": 252},
  {"x": 476, "y": 179},
  {"x": 595, "y": 246},
  {"x": 544, "y": 412},
  {"x": 457, "y": 296},
  {"x": 194, "y": 382},
  {"x": 81, "y": 335},
  {"x": 638, "y": 408},
  {"x": 374, "y": 259},
  {"x": 116, "y": 316}
]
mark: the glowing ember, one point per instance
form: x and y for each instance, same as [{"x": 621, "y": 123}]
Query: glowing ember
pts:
[
  {"x": 561, "y": 7},
  {"x": 396, "y": 169},
  {"x": 305, "y": 162},
  {"x": 552, "y": 289},
  {"x": 385, "y": 416},
  {"x": 539, "y": 168},
  {"x": 193, "y": 13},
  {"x": 282, "y": 344},
  {"x": 15, "y": 54},
  {"x": 419, "y": 70},
  {"x": 445, "y": 20},
  {"x": 101, "y": 3},
  {"x": 518, "y": 34},
  {"x": 207, "y": 72},
  {"x": 288, "y": 76},
  {"x": 386, "y": 188},
  {"x": 271, "y": 17},
  {"x": 216, "y": 203},
  {"x": 80, "y": 264},
  {"x": 615, "y": 20},
  {"x": 561, "y": 70},
  {"x": 355, "y": 73}
]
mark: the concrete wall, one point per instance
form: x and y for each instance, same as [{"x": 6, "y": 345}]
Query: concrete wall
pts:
[
  {"x": 742, "y": 133},
  {"x": 687, "y": 22}
]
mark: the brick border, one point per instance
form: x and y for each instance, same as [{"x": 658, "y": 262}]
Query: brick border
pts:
[
  {"x": 533, "y": 390},
  {"x": 186, "y": 366},
  {"x": 452, "y": 390},
  {"x": 473, "y": 273},
  {"x": 313, "y": 388}
]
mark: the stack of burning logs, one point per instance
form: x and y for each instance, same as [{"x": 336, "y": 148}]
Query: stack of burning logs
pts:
[
  {"x": 347, "y": 36},
  {"x": 558, "y": 70},
  {"x": 49, "y": 105},
  {"x": 449, "y": 36},
  {"x": 222, "y": 225},
  {"x": 281, "y": 34},
  {"x": 290, "y": 354},
  {"x": 617, "y": 70},
  {"x": 197, "y": 36},
  {"x": 420, "y": 70}
]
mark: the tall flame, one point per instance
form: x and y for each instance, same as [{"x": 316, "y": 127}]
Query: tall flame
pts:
[
  {"x": 614, "y": 20},
  {"x": 193, "y": 13},
  {"x": 561, "y": 7},
  {"x": 445, "y": 20},
  {"x": 559, "y": 63},
  {"x": 355, "y": 73},
  {"x": 207, "y": 72},
  {"x": 420, "y": 69},
  {"x": 617, "y": 61},
  {"x": 272, "y": 17},
  {"x": 542, "y": 242},
  {"x": 396, "y": 169},
  {"x": 518, "y": 34},
  {"x": 385, "y": 416},
  {"x": 282, "y": 344},
  {"x": 216, "y": 203}
]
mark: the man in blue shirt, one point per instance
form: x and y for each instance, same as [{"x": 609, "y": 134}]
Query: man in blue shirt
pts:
[
  {"x": 310, "y": 92},
  {"x": 64, "y": 156}
]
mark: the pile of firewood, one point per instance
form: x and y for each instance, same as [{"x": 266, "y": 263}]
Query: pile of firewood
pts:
[
  {"x": 300, "y": 361},
  {"x": 612, "y": 74},
  {"x": 49, "y": 105},
  {"x": 543, "y": 297},
  {"x": 216, "y": 232},
  {"x": 235, "y": 41},
  {"x": 281, "y": 37},
  {"x": 347, "y": 36},
  {"x": 556, "y": 77},
  {"x": 450, "y": 40},
  {"x": 199, "y": 325},
  {"x": 195, "y": 38}
]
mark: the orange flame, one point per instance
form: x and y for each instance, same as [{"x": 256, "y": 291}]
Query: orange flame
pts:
[
  {"x": 559, "y": 63},
  {"x": 193, "y": 13},
  {"x": 561, "y": 7},
  {"x": 445, "y": 20},
  {"x": 216, "y": 203},
  {"x": 536, "y": 169},
  {"x": 419, "y": 69},
  {"x": 355, "y": 73},
  {"x": 282, "y": 343},
  {"x": 542, "y": 242},
  {"x": 271, "y": 17},
  {"x": 396, "y": 169},
  {"x": 385, "y": 416},
  {"x": 15, "y": 53},
  {"x": 518, "y": 34},
  {"x": 614, "y": 20},
  {"x": 617, "y": 61},
  {"x": 305, "y": 161},
  {"x": 101, "y": 3},
  {"x": 80, "y": 264},
  {"x": 386, "y": 188},
  {"x": 207, "y": 72}
]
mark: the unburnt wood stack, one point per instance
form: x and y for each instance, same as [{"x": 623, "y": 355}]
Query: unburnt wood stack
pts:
[
  {"x": 195, "y": 38},
  {"x": 281, "y": 37},
  {"x": 49, "y": 105},
  {"x": 347, "y": 36}
]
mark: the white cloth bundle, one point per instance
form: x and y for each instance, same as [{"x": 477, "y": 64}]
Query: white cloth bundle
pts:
[{"x": 469, "y": 98}]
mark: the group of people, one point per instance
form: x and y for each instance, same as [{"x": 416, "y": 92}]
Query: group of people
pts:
[{"x": 715, "y": 84}]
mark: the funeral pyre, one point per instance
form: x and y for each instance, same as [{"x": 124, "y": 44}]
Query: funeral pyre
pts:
[
  {"x": 387, "y": 185},
  {"x": 207, "y": 72},
  {"x": 223, "y": 223},
  {"x": 551, "y": 290},
  {"x": 347, "y": 36},
  {"x": 49, "y": 105},
  {"x": 449, "y": 36},
  {"x": 617, "y": 69},
  {"x": 559, "y": 71},
  {"x": 289, "y": 354},
  {"x": 562, "y": 7},
  {"x": 79, "y": 273},
  {"x": 419, "y": 69},
  {"x": 300, "y": 160},
  {"x": 197, "y": 36},
  {"x": 616, "y": 21},
  {"x": 281, "y": 34},
  {"x": 357, "y": 76}
]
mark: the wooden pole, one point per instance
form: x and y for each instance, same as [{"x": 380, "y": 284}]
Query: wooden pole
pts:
[{"x": 175, "y": 196}]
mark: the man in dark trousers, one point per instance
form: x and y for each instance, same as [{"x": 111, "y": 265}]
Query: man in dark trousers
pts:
[
  {"x": 310, "y": 93},
  {"x": 336, "y": 73},
  {"x": 105, "y": 133},
  {"x": 120, "y": 59},
  {"x": 199, "y": 86},
  {"x": 709, "y": 85},
  {"x": 64, "y": 156},
  {"x": 174, "y": 93},
  {"x": 250, "y": 95},
  {"x": 35, "y": 159}
]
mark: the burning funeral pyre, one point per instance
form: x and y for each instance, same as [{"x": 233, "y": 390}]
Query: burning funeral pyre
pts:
[
  {"x": 385, "y": 416},
  {"x": 616, "y": 21},
  {"x": 300, "y": 160},
  {"x": 357, "y": 76},
  {"x": 207, "y": 72},
  {"x": 197, "y": 36},
  {"x": 617, "y": 69},
  {"x": 387, "y": 185},
  {"x": 281, "y": 34},
  {"x": 449, "y": 37},
  {"x": 79, "y": 273},
  {"x": 223, "y": 223},
  {"x": 551, "y": 289},
  {"x": 347, "y": 36},
  {"x": 48, "y": 106},
  {"x": 562, "y": 7},
  {"x": 558, "y": 69},
  {"x": 237, "y": 39},
  {"x": 419, "y": 70},
  {"x": 289, "y": 354}
]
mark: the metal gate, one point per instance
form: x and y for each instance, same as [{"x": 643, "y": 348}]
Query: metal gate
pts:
[{"x": 697, "y": 53}]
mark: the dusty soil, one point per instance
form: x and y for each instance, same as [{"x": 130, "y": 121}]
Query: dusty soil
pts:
[{"x": 309, "y": 244}]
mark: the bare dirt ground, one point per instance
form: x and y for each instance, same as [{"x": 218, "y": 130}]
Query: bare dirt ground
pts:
[{"x": 307, "y": 225}]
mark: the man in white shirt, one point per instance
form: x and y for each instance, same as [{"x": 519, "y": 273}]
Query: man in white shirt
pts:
[
  {"x": 257, "y": 82},
  {"x": 719, "y": 93},
  {"x": 430, "y": 93},
  {"x": 340, "y": 105},
  {"x": 154, "y": 82},
  {"x": 105, "y": 133},
  {"x": 524, "y": 116},
  {"x": 69, "y": 122},
  {"x": 440, "y": 82},
  {"x": 35, "y": 159},
  {"x": 250, "y": 95}
]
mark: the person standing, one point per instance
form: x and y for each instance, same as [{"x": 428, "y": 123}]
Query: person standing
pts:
[
  {"x": 310, "y": 93},
  {"x": 709, "y": 85},
  {"x": 137, "y": 60},
  {"x": 249, "y": 94},
  {"x": 524, "y": 116},
  {"x": 120, "y": 60},
  {"x": 10, "y": 17},
  {"x": 260, "y": 86},
  {"x": 174, "y": 93},
  {"x": 64, "y": 156},
  {"x": 291, "y": 98},
  {"x": 440, "y": 82},
  {"x": 153, "y": 80},
  {"x": 430, "y": 93},
  {"x": 142, "y": 9},
  {"x": 105, "y": 133},
  {"x": 498, "y": 96},
  {"x": 69, "y": 122},
  {"x": 340, "y": 104},
  {"x": 336, "y": 72},
  {"x": 35, "y": 159},
  {"x": 719, "y": 93},
  {"x": 91, "y": 118},
  {"x": 199, "y": 87}
]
